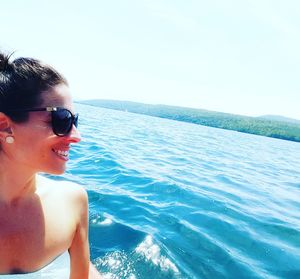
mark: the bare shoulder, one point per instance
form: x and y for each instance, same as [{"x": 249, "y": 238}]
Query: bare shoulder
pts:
[
  {"x": 63, "y": 186},
  {"x": 66, "y": 191}
]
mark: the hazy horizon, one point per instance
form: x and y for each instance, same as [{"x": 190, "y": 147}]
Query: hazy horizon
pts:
[{"x": 118, "y": 100}]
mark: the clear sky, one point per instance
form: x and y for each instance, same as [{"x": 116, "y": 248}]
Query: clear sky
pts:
[{"x": 233, "y": 56}]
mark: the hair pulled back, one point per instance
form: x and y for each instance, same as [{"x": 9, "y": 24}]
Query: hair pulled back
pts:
[{"x": 22, "y": 82}]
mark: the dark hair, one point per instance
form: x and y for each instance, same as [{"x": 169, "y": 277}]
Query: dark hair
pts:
[{"x": 21, "y": 83}]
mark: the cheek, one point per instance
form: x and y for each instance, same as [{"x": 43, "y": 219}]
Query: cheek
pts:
[
  {"x": 35, "y": 155},
  {"x": 33, "y": 142},
  {"x": 37, "y": 126}
]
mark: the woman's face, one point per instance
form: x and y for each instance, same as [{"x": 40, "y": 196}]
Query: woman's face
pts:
[{"x": 36, "y": 146}]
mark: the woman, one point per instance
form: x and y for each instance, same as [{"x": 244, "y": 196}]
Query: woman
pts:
[{"x": 40, "y": 219}]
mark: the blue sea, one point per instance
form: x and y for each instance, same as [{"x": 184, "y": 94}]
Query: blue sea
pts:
[{"x": 170, "y": 199}]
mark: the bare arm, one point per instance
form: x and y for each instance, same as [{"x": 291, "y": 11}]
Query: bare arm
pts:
[
  {"x": 81, "y": 267},
  {"x": 79, "y": 250}
]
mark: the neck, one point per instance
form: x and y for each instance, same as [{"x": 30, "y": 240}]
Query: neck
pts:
[{"x": 16, "y": 182}]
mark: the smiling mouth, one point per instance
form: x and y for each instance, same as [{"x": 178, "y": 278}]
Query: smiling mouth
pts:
[{"x": 63, "y": 154}]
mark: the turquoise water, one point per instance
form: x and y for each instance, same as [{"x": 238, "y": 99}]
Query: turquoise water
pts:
[{"x": 171, "y": 199}]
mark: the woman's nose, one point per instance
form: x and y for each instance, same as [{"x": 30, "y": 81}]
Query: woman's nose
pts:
[{"x": 74, "y": 135}]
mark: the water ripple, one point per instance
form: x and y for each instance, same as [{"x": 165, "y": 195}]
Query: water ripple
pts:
[{"x": 176, "y": 200}]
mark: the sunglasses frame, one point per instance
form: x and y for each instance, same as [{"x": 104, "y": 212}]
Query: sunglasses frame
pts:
[{"x": 74, "y": 117}]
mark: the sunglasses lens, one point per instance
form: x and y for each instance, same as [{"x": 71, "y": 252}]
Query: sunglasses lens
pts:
[
  {"x": 76, "y": 120},
  {"x": 62, "y": 121}
]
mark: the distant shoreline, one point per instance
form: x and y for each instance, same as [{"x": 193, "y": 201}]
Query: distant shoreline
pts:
[{"x": 269, "y": 126}]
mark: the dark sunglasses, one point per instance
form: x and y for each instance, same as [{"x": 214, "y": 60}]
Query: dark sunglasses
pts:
[{"x": 61, "y": 118}]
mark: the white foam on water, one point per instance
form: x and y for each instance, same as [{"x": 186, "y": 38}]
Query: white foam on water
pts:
[
  {"x": 106, "y": 222},
  {"x": 151, "y": 252},
  {"x": 113, "y": 276},
  {"x": 101, "y": 221},
  {"x": 118, "y": 264}
]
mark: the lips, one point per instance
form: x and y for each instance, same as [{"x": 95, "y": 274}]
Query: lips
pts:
[{"x": 62, "y": 154}]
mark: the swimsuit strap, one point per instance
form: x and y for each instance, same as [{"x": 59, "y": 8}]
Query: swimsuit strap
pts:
[{"x": 58, "y": 268}]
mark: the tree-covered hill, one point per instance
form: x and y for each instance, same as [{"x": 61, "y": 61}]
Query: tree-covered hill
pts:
[
  {"x": 288, "y": 130},
  {"x": 280, "y": 118}
]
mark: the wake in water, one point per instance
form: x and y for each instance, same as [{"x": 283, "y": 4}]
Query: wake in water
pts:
[{"x": 142, "y": 261}]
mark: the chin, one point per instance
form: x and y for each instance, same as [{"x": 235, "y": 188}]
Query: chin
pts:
[{"x": 55, "y": 171}]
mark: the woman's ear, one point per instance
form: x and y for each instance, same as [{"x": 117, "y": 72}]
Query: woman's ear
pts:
[{"x": 5, "y": 128}]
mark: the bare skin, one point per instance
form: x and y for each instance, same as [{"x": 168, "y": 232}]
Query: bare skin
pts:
[{"x": 40, "y": 218}]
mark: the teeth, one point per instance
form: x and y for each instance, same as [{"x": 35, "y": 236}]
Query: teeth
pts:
[{"x": 62, "y": 153}]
